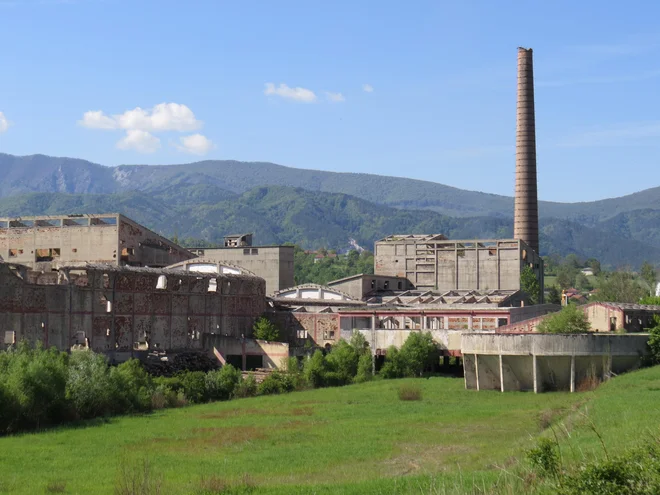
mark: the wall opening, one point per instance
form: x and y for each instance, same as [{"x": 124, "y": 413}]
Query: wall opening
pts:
[{"x": 162, "y": 282}]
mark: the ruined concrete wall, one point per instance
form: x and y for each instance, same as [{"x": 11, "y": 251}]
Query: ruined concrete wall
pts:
[
  {"x": 272, "y": 354},
  {"x": 272, "y": 263},
  {"x": 119, "y": 310},
  {"x": 140, "y": 246},
  {"x": 59, "y": 244},
  {"x": 534, "y": 311},
  {"x": 296, "y": 328},
  {"x": 380, "y": 340},
  {"x": 449, "y": 265}
]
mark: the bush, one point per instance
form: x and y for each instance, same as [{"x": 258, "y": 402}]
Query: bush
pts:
[
  {"x": 569, "y": 320},
  {"x": 247, "y": 387},
  {"x": 220, "y": 384},
  {"x": 544, "y": 458},
  {"x": 417, "y": 353},
  {"x": 133, "y": 387},
  {"x": 409, "y": 391},
  {"x": 194, "y": 386},
  {"x": 264, "y": 329},
  {"x": 295, "y": 371},
  {"x": 89, "y": 386},
  {"x": 342, "y": 363},
  {"x": 275, "y": 383},
  {"x": 315, "y": 370},
  {"x": 364, "y": 369},
  {"x": 654, "y": 340}
]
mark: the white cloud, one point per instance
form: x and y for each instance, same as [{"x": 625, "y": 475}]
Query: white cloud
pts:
[
  {"x": 297, "y": 94},
  {"x": 4, "y": 123},
  {"x": 195, "y": 144},
  {"x": 139, "y": 140},
  {"x": 162, "y": 117},
  {"x": 368, "y": 88},
  {"x": 336, "y": 97}
]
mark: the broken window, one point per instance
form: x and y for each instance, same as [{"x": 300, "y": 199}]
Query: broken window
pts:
[
  {"x": 246, "y": 251},
  {"x": 612, "y": 323},
  {"x": 502, "y": 322},
  {"x": 328, "y": 335},
  {"x": 10, "y": 337},
  {"x": 213, "y": 285},
  {"x": 386, "y": 285},
  {"x": 302, "y": 334},
  {"x": 13, "y": 253},
  {"x": 399, "y": 285},
  {"x": 373, "y": 284},
  {"x": 162, "y": 282},
  {"x": 255, "y": 251},
  {"x": 47, "y": 254}
]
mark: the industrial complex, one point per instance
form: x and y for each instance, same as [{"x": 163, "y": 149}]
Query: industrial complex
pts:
[{"x": 106, "y": 283}]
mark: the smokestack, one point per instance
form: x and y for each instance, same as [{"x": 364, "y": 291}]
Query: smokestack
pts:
[{"x": 526, "y": 211}]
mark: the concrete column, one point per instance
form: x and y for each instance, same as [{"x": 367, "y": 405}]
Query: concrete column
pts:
[
  {"x": 535, "y": 374},
  {"x": 373, "y": 344},
  {"x": 476, "y": 369},
  {"x": 572, "y": 373},
  {"x": 607, "y": 366},
  {"x": 501, "y": 375}
]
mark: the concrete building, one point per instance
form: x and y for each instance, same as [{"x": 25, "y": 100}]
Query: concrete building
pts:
[
  {"x": 246, "y": 354},
  {"x": 125, "y": 311},
  {"x": 431, "y": 262},
  {"x": 363, "y": 285},
  {"x": 310, "y": 314},
  {"x": 272, "y": 263},
  {"x": 547, "y": 362},
  {"x": 603, "y": 317},
  {"x": 48, "y": 242}
]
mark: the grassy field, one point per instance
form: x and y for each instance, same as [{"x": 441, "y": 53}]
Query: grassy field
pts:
[{"x": 356, "y": 439}]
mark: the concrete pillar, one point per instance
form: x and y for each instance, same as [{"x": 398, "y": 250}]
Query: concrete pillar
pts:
[
  {"x": 373, "y": 344},
  {"x": 476, "y": 369},
  {"x": 572, "y": 374},
  {"x": 501, "y": 375},
  {"x": 535, "y": 374},
  {"x": 607, "y": 366}
]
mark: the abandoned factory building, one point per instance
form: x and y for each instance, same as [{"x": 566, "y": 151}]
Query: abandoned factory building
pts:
[
  {"x": 431, "y": 262},
  {"x": 120, "y": 311},
  {"x": 272, "y": 263},
  {"x": 48, "y": 242}
]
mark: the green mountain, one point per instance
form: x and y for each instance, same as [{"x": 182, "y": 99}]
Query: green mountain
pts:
[{"x": 314, "y": 219}]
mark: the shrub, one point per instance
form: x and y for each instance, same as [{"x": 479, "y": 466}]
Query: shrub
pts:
[
  {"x": 247, "y": 387},
  {"x": 364, "y": 369},
  {"x": 409, "y": 391},
  {"x": 36, "y": 379},
  {"x": 264, "y": 329},
  {"x": 315, "y": 370},
  {"x": 654, "y": 340},
  {"x": 295, "y": 371},
  {"x": 194, "y": 386},
  {"x": 220, "y": 384},
  {"x": 132, "y": 387},
  {"x": 570, "y": 319},
  {"x": 275, "y": 383},
  {"x": 417, "y": 353},
  {"x": 89, "y": 386},
  {"x": 544, "y": 458},
  {"x": 342, "y": 362}
]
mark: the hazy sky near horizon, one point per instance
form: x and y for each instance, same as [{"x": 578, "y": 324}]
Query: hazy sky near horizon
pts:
[{"x": 421, "y": 89}]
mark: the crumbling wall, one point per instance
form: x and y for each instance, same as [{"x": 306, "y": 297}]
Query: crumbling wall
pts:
[
  {"x": 296, "y": 328},
  {"x": 121, "y": 310}
]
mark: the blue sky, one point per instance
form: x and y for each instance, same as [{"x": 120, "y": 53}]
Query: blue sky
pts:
[{"x": 442, "y": 76}]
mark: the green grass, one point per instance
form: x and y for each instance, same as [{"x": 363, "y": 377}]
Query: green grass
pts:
[{"x": 357, "y": 439}]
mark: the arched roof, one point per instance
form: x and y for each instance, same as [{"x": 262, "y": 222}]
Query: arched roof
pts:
[
  {"x": 204, "y": 265},
  {"x": 312, "y": 291}
]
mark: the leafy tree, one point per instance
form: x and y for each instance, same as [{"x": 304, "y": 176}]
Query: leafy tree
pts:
[
  {"x": 343, "y": 362},
  {"x": 529, "y": 283},
  {"x": 264, "y": 329},
  {"x": 220, "y": 384},
  {"x": 554, "y": 296},
  {"x": 89, "y": 385},
  {"x": 594, "y": 264},
  {"x": 650, "y": 300},
  {"x": 417, "y": 353},
  {"x": 572, "y": 261},
  {"x": 365, "y": 368},
  {"x": 566, "y": 276},
  {"x": 569, "y": 320},
  {"x": 315, "y": 369},
  {"x": 619, "y": 287},
  {"x": 654, "y": 339},
  {"x": 649, "y": 274},
  {"x": 582, "y": 282}
]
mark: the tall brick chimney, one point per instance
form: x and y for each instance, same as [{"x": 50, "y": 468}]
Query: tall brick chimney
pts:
[{"x": 526, "y": 211}]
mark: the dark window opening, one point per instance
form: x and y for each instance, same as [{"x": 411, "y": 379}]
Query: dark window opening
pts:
[
  {"x": 255, "y": 251},
  {"x": 399, "y": 285},
  {"x": 47, "y": 254},
  {"x": 13, "y": 253},
  {"x": 246, "y": 251},
  {"x": 373, "y": 284},
  {"x": 386, "y": 285}
]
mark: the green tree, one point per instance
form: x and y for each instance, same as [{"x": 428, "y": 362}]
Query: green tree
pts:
[
  {"x": 417, "y": 353},
  {"x": 554, "y": 296},
  {"x": 264, "y": 329},
  {"x": 594, "y": 264},
  {"x": 529, "y": 283},
  {"x": 654, "y": 339},
  {"x": 570, "y": 319},
  {"x": 619, "y": 287},
  {"x": 649, "y": 274},
  {"x": 566, "y": 276},
  {"x": 582, "y": 282}
]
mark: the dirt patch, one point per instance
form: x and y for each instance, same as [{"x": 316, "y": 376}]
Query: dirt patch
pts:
[
  {"x": 210, "y": 439},
  {"x": 415, "y": 457},
  {"x": 233, "y": 413},
  {"x": 302, "y": 411}
]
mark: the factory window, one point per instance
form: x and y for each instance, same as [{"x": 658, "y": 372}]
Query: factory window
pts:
[
  {"x": 328, "y": 335},
  {"x": 373, "y": 284},
  {"x": 213, "y": 285},
  {"x": 302, "y": 334},
  {"x": 492, "y": 252},
  {"x": 255, "y": 251},
  {"x": 386, "y": 285},
  {"x": 10, "y": 337},
  {"x": 612, "y": 323},
  {"x": 162, "y": 282},
  {"x": 502, "y": 322},
  {"x": 74, "y": 250},
  {"x": 47, "y": 254},
  {"x": 246, "y": 251},
  {"x": 13, "y": 253},
  {"x": 398, "y": 285},
  {"x": 200, "y": 252}
]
